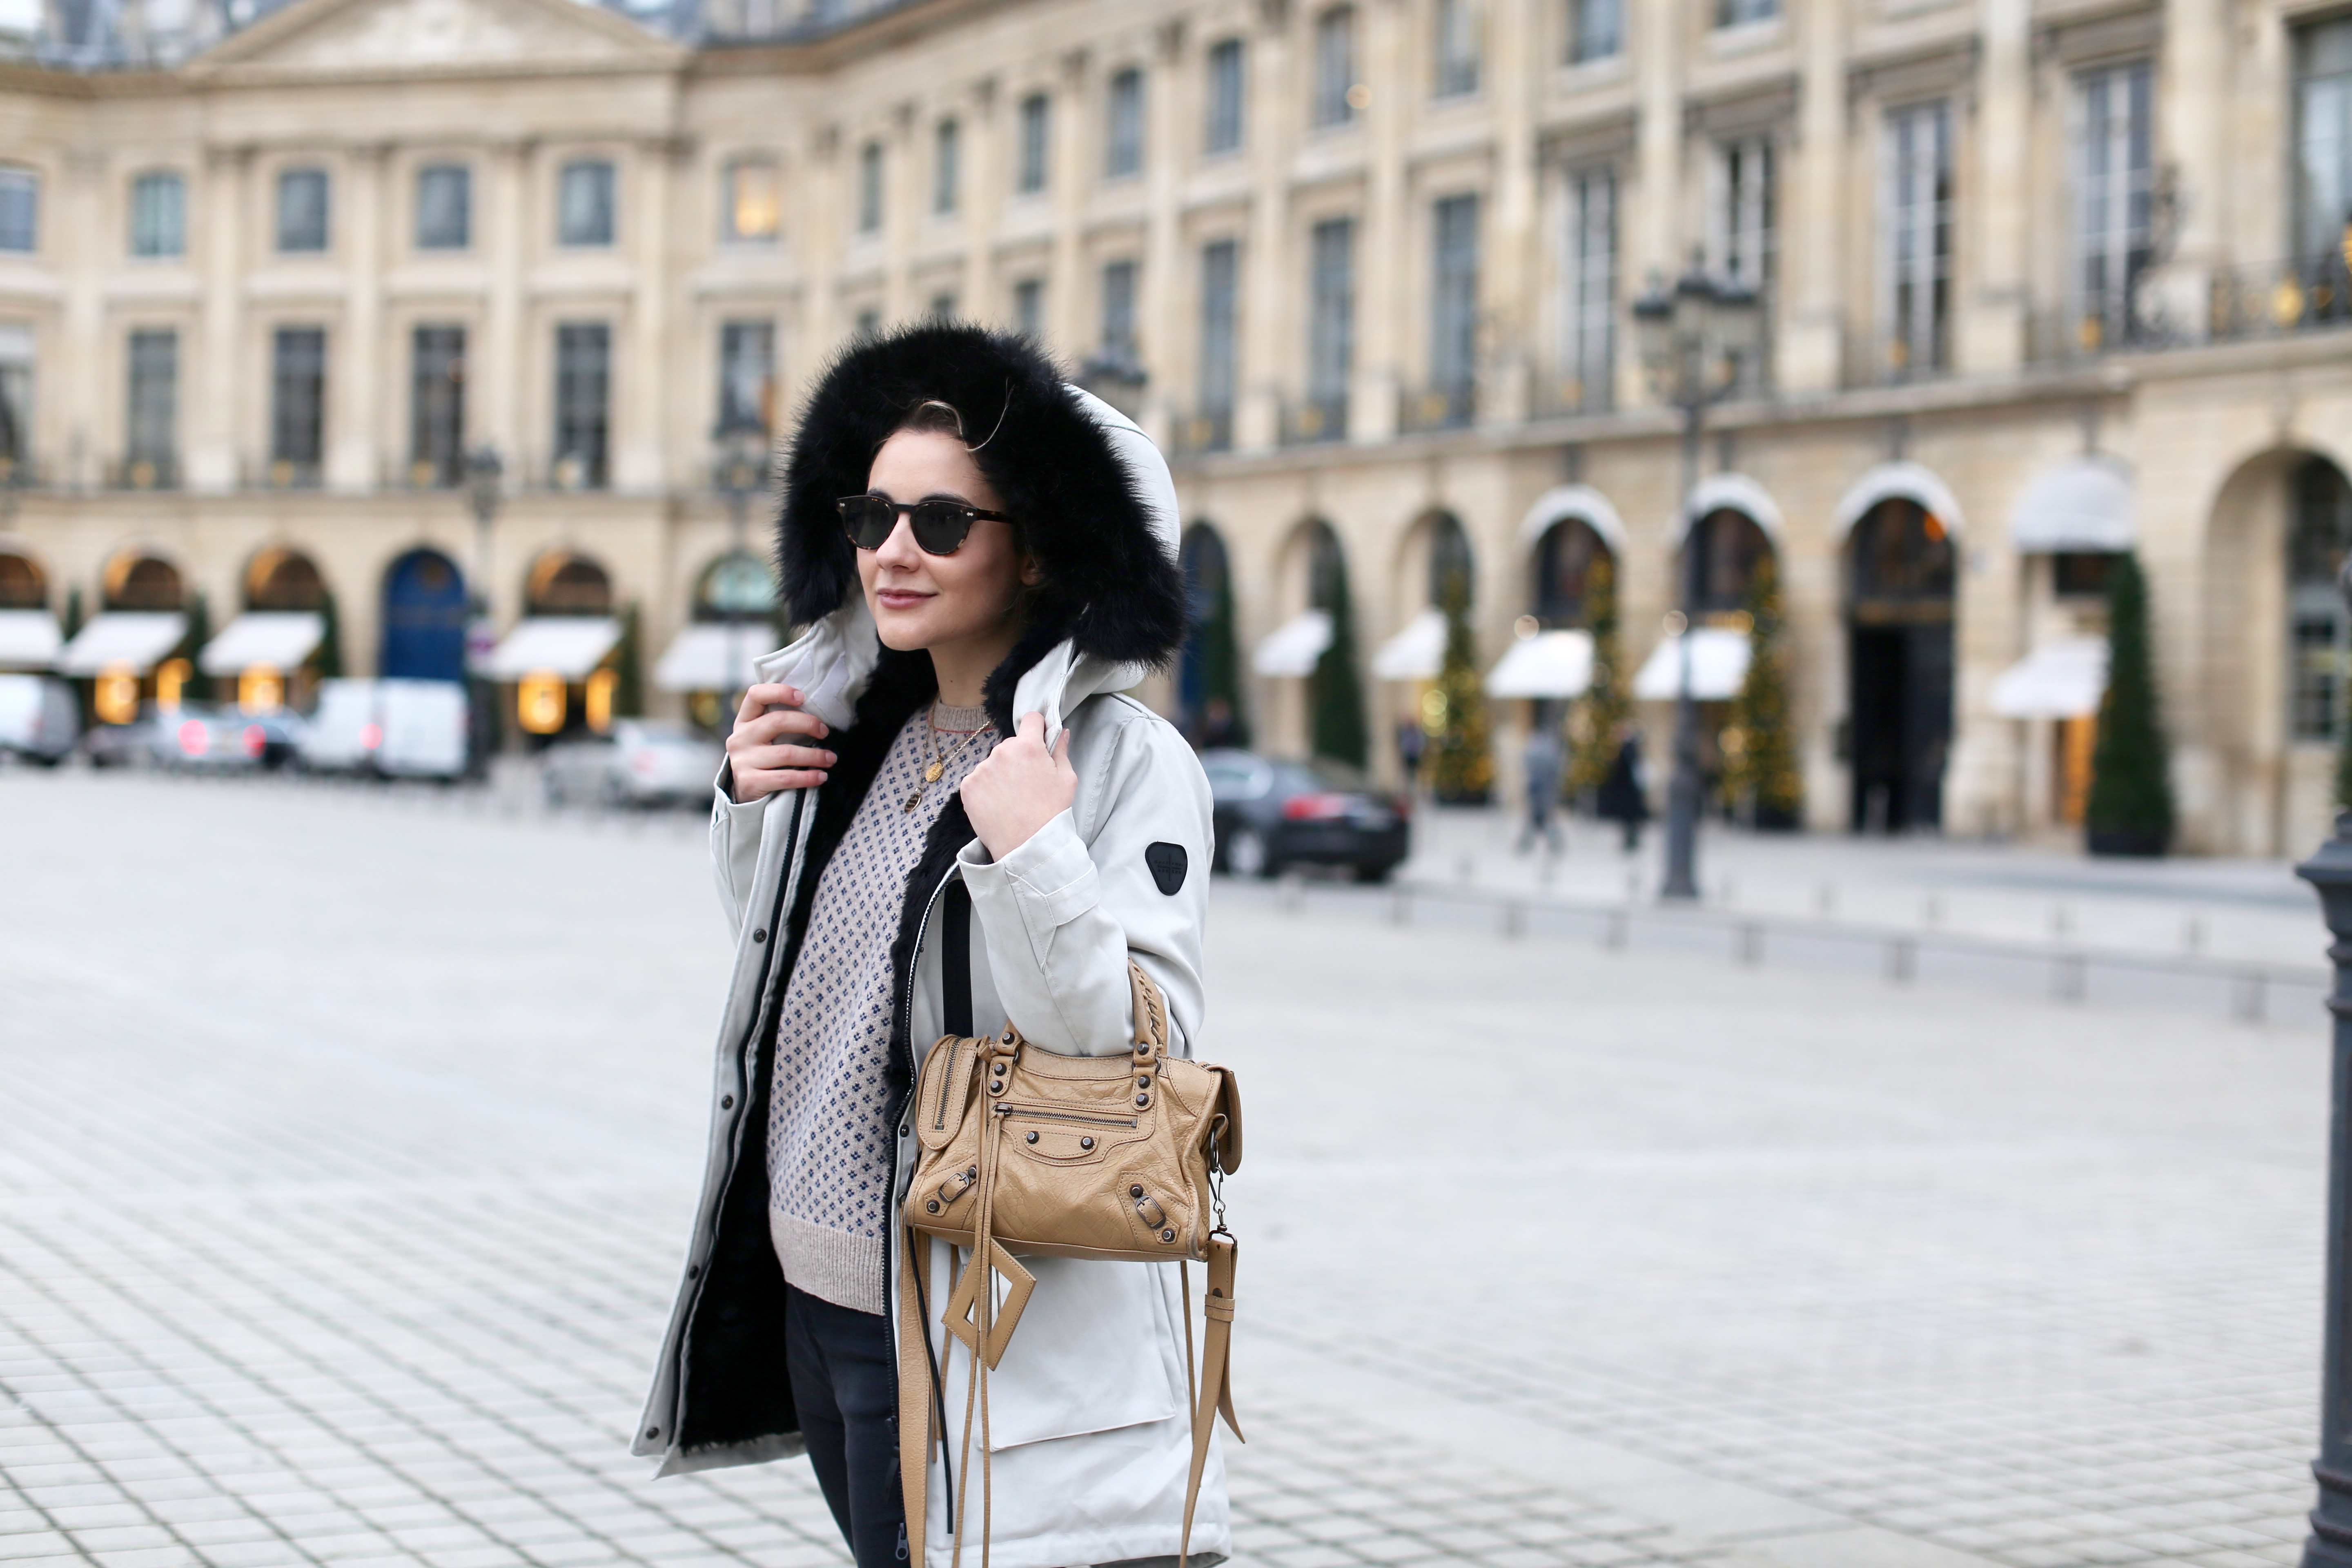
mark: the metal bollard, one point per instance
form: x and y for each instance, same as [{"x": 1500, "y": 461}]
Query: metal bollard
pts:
[
  {"x": 1751, "y": 943},
  {"x": 1401, "y": 906},
  {"x": 1515, "y": 917},
  {"x": 2067, "y": 977},
  {"x": 1618, "y": 928},
  {"x": 1902, "y": 960}
]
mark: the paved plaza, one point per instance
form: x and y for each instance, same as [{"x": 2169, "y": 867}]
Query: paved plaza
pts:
[{"x": 351, "y": 1136}]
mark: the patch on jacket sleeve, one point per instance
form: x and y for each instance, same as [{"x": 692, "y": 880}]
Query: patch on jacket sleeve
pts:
[{"x": 1167, "y": 862}]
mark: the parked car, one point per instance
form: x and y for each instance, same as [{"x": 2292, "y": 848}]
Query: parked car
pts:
[
  {"x": 39, "y": 720},
  {"x": 124, "y": 746},
  {"x": 1272, "y": 813},
  {"x": 224, "y": 740},
  {"x": 641, "y": 762}
]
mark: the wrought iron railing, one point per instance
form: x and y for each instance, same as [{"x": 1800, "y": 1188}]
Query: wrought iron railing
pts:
[
  {"x": 1443, "y": 407},
  {"x": 1565, "y": 393},
  {"x": 1205, "y": 430},
  {"x": 1315, "y": 419},
  {"x": 157, "y": 472},
  {"x": 2281, "y": 296}
]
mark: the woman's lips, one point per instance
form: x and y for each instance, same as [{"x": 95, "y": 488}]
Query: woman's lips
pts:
[{"x": 900, "y": 598}]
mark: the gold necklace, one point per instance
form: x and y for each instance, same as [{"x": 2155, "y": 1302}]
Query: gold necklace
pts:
[{"x": 937, "y": 764}]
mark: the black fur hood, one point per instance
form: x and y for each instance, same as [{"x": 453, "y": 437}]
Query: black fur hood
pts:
[{"x": 1092, "y": 494}]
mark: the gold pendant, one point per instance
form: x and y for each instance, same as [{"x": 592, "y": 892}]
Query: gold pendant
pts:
[
  {"x": 913, "y": 801},
  {"x": 931, "y": 775}
]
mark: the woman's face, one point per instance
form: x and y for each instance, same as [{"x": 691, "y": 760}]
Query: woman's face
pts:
[{"x": 921, "y": 601}]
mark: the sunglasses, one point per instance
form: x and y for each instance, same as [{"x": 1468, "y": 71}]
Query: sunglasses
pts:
[{"x": 939, "y": 525}]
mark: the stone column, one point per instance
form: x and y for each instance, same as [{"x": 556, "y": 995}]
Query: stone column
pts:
[
  {"x": 363, "y": 432},
  {"x": 1511, "y": 263},
  {"x": 2193, "y": 109},
  {"x": 85, "y": 365},
  {"x": 818, "y": 236},
  {"x": 1650, "y": 237},
  {"x": 209, "y": 378},
  {"x": 985, "y": 168},
  {"x": 1078, "y": 168},
  {"x": 1990, "y": 332},
  {"x": 1272, "y": 333},
  {"x": 1384, "y": 315},
  {"x": 1809, "y": 339},
  {"x": 639, "y": 448},
  {"x": 497, "y": 355},
  {"x": 1159, "y": 316}
]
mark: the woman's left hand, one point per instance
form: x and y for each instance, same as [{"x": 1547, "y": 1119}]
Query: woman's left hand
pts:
[{"x": 1019, "y": 787}]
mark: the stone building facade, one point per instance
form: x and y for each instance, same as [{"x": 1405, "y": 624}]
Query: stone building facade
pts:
[{"x": 2039, "y": 276}]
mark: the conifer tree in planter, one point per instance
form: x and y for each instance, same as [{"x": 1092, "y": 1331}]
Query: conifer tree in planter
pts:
[
  {"x": 328, "y": 659},
  {"x": 1338, "y": 729},
  {"x": 1461, "y": 767},
  {"x": 2344, "y": 750},
  {"x": 1221, "y": 674},
  {"x": 2129, "y": 811},
  {"x": 628, "y": 668},
  {"x": 1760, "y": 777},
  {"x": 1605, "y": 707},
  {"x": 199, "y": 687}
]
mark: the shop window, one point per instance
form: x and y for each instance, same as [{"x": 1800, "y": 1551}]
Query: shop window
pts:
[
  {"x": 2319, "y": 636},
  {"x": 142, "y": 583},
  {"x": 739, "y": 586},
  {"x": 564, "y": 583},
  {"x": 282, "y": 579},
  {"x": 1564, "y": 561},
  {"x": 2081, "y": 574},
  {"x": 751, "y": 193},
  {"x": 23, "y": 585},
  {"x": 1731, "y": 546}
]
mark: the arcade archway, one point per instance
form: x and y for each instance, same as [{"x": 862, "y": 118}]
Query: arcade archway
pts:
[
  {"x": 1900, "y": 584},
  {"x": 1208, "y": 674},
  {"x": 424, "y": 619}
]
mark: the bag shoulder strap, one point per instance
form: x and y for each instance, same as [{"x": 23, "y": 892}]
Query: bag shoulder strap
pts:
[{"x": 955, "y": 959}]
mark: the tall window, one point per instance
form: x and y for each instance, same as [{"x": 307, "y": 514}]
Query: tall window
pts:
[
  {"x": 869, "y": 188},
  {"x": 436, "y": 405},
  {"x": 1331, "y": 324},
  {"x": 583, "y": 203},
  {"x": 1596, "y": 31},
  {"x": 298, "y": 403},
  {"x": 1119, "y": 313},
  {"x": 946, "y": 158},
  {"x": 20, "y": 209},
  {"x": 747, "y": 373},
  {"x": 752, "y": 197},
  {"x": 943, "y": 307},
  {"x": 2323, "y": 152},
  {"x": 1917, "y": 224},
  {"x": 16, "y": 394},
  {"x": 1732, "y": 13},
  {"x": 1457, "y": 47},
  {"x": 1228, "y": 74},
  {"x": 301, "y": 210},
  {"x": 2112, "y": 194},
  {"x": 1454, "y": 305},
  {"x": 1036, "y": 142},
  {"x": 1335, "y": 65},
  {"x": 2318, "y": 529},
  {"x": 1588, "y": 290},
  {"x": 444, "y": 206},
  {"x": 154, "y": 405},
  {"x": 1123, "y": 144},
  {"x": 1219, "y": 302},
  {"x": 583, "y": 378},
  {"x": 159, "y": 214},
  {"x": 1743, "y": 210},
  {"x": 1029, "y": 307}
]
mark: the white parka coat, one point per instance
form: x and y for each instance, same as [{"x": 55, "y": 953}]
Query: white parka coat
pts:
[{"x": 1090, "y": 1433}]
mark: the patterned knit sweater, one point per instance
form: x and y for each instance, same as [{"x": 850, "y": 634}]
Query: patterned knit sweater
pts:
[{"x": 828, "y": 1152}]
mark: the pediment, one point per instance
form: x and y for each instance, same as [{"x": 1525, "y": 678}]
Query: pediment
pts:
[{"x": 375, "y": 38}]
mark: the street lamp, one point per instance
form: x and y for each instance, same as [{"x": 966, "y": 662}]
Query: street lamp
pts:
[
  {"x": 2329, "y": 871},
  {"x": 1694, "y": 340},
  {"x": 484, "y": 473},
  {"x": 743, "y": 473}
]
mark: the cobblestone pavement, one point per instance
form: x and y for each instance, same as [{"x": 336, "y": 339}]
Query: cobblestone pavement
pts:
[{"x": 349, "y": 1140}]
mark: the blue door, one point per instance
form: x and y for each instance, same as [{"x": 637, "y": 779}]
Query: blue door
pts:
[{"x": 424, "y": 619}]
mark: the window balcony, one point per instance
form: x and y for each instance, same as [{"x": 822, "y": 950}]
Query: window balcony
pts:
[
  {"x": 1317, "y": 418},
  {"x": 2278, "y": 297},
  {"x": 1569, "y": 392},
  {"x": 1453, "y": 405},
  {"x": 292, "y": 474},
  {"x": 151, "y": 471},
  {"x": 1208, "y": 429}
]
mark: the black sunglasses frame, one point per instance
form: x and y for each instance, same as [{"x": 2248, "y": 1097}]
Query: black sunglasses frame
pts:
[{"x": 941, "y": 527}]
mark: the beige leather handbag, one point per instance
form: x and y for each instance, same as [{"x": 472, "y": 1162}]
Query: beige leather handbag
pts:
[{"x": 1023, "y": 1151}]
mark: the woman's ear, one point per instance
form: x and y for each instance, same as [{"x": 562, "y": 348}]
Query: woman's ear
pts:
[{"x": 1033, "y": 570}]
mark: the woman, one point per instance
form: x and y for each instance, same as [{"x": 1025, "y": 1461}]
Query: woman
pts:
[{"x": 941, "y": 772}]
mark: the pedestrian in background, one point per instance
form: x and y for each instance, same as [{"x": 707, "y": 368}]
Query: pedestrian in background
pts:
[
  {"x": 1542, "y": 761},
  {"x": 938, "y": 793},
  {"x": 1623, "y": 799},
  {"x": 1411, "y": 744}
]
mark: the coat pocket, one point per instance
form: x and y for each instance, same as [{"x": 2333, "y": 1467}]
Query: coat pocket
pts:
[{"x": 1095, "y": 1351}]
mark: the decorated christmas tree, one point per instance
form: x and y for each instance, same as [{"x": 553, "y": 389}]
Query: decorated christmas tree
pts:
[
  {"x": 1760, "y": 779},
  {"x": 1337, "y": 694},
  {"x": 629, "y": 668},
  {"x": 1605, "y": 705},
  {"x": 328, "y": 659},
  {"x": 1460, "y": 766},
  {"x": 2131, "y": 807}
]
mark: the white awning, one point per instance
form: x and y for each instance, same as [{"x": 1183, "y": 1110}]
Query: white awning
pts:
[
  {"x": 2061, "y": 679},
  {"x": 278, "y": 638},
  {"x": 133, "y": 640},
  {"x": 2083, "y": 505},
  {"x": 1548, "y": 664},
  {"x": 29, "y": 639},
  {"x": 712, "y": 656},
  {"x": 567, "y": 646},
  {"x": 1718, "y": 664},
  {"x": 1414, "y": 653},
  {"x": 1292, "y": 647}
]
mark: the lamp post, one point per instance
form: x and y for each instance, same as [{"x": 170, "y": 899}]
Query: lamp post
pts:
[
  {"x": 485, "y": 474},
  {"x": 741, "y": 474},
  {"x": 2329, "y": 871},
  {"x": 1693, "y": 339}
]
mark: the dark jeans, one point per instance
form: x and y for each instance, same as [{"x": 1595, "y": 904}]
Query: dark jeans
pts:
[{"x": 845, "y": 1386}]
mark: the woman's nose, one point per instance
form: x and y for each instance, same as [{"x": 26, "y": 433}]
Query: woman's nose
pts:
[{"x": 899, "y": 552}]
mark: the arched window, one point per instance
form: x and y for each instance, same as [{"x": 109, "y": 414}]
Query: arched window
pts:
[
  {"x": 736, "y": 586},
  {"x": 1208, "y": 678},
  {"x": 564, "y": 583},
  {"x": 1564, "y": 558},
  {"x": 23, "y": 585},
  {"x": 143, "y": 582},
  {"x": 1899, "y": 579},
  {"x": 2319, "y": 525},
  {"x": 1900, "y": 554},
  {"x": 1729, "y": 545},
  {"x": 1450, "y": 562},
  {"x": 283, "y": 579}
]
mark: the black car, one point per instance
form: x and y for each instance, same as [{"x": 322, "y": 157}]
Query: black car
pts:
[{"x": 1272, "y": 815}]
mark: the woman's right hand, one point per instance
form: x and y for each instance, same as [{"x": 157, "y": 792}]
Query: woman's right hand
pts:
[{"x": 767, "y": 750}]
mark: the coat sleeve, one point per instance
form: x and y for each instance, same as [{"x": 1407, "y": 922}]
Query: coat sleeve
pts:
[
  {"x": 1063, "y": 915},
  {"x": 734, "y": 852}
]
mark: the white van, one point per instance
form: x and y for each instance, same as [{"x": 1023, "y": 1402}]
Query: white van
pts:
[
  {"x": 402, "y": 729},
  {"x": 39, "y": 720}
]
